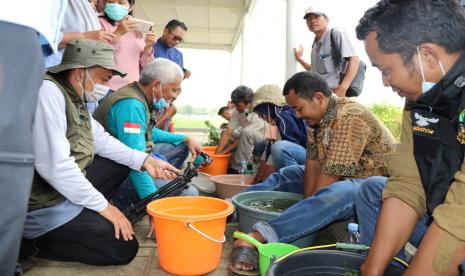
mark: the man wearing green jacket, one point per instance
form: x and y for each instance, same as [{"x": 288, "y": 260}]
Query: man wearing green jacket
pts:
[{"x": 126, "y": 114}]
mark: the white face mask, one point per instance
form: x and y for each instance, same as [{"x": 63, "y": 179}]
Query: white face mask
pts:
[
  {"x": 427, "y": 85},
  {"x": 99, "y": 92}
]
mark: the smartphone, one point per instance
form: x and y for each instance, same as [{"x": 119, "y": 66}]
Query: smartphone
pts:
[{"x": 143, "y": 26}]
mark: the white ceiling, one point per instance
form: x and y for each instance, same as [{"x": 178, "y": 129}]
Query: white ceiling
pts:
[{"x": 212, "y": 24}]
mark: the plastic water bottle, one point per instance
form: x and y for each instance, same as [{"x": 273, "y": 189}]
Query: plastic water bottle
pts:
[
  {"x": 250, "y": 169},
  {"x": 409, "y": 250},
  {"x": 352, "y": 237},
  {"x": 243, "y": 171}
]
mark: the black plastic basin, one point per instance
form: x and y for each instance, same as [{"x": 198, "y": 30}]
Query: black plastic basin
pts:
[{"x": 324, "y": 262}]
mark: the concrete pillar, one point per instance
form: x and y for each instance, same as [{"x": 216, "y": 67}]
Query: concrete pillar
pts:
[
  {"x": 293, "y": 19},
  {"x": 244, "y": 53}
]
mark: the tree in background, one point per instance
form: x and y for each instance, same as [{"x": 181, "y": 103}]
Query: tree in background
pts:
[{"x": 390, "y": 115}]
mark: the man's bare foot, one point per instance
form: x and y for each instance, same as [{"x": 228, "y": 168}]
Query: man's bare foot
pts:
[{"x": 245, "y": 266}]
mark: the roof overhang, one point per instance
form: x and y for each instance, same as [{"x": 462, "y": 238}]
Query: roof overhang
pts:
[{"x": 212, "y": 24}]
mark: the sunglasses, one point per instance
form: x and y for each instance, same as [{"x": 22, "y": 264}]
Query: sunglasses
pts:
[{"x": 176, "y": 37}]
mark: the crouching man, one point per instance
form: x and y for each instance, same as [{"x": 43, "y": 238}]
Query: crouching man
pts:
[
  {"x": 78, "y": 166},
  {"x": 423, "y": 200},
  {"x": 346, "y": 144},
  {"x": 252, "y": 130},
  {"x": 126, "y": 114}
]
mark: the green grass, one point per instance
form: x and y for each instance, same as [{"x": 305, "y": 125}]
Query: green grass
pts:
[
  {"x": 389, "y": 114},
  {"x": 183, "y": 121}
]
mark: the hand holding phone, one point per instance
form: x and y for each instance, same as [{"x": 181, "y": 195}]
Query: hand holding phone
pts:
[{"x": 143, "y": 26}]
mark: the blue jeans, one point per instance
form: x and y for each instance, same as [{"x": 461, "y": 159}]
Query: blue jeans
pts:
[
  {"x": 284, "y": 177},
  {"x": 176, "y": 155},
  {"x": 285, "y": 153},
  {"x": 368, "y": 204},
  {"x": 334, "y": 202}
]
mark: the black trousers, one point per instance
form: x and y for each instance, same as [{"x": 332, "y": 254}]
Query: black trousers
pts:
[{"x": 88, "y": 238}]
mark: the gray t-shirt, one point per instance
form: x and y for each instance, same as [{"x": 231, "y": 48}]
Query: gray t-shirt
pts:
[
  {"x": 321, "y": 60},
  {"x": 245, "y": 119}
]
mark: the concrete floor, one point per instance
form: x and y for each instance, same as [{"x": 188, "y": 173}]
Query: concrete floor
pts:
[{"x": 145, "y": 263}]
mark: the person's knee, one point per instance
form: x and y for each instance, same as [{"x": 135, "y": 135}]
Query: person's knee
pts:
[
  {"x": 182, "y": 148},
  {"x": 371, "y": 190},
  {"x": 181, "y": 151},
  {"x": 250, "y": 135},
  {"x": 112, "y": 251},
  {"x": 280, "y": 147},
  {"x": 124, "y": 252},
  {"x": 292, "y": 172}
]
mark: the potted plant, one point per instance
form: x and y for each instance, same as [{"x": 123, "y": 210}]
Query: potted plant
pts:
[{"x": 213, "y": 135}]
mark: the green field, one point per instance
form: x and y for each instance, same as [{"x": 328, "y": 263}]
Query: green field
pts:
[{"x": 186, "y": 121}]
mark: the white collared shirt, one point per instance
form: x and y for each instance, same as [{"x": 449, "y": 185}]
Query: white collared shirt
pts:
[
  {"x": 44, "y": 16},
  {"x": 52, "y": 151}
]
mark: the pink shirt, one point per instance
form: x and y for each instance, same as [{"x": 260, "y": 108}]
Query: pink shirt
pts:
[{"x": 129, "y": 54}]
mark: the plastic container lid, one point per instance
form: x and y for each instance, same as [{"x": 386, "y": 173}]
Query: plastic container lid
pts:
[{"x": 352, "y": 227}]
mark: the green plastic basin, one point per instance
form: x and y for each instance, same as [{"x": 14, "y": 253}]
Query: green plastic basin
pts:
[{"x": 248, "y": 216}]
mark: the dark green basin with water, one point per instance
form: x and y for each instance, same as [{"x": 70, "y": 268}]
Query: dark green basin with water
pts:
[{"x": 263, "y": 206}]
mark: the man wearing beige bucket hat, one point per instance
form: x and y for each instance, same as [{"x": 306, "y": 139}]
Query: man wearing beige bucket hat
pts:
[
  {"x": 285, "y": 134},
  {"x": 78, "y": 166}
]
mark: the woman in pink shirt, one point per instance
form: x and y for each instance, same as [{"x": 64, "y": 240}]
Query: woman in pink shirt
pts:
[{"x": 132, "y": 51}]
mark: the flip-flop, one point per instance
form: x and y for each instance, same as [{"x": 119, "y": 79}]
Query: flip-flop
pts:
[{"x": 245, "y": 255}]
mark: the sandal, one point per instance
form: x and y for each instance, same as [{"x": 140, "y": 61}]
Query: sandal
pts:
[{"x": 245, "y": 255}]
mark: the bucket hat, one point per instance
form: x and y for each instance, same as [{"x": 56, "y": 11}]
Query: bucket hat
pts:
[
  {"x": 85, "y": 53},
  {"x": 268, "y": 93}
]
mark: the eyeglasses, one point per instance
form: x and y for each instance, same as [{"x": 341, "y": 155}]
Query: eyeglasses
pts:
[{"x": 177, "y": 38}]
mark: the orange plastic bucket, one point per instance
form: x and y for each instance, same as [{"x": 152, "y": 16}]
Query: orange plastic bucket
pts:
[
  {"x": 190, "y": 232},
  {"x": 219, "y": 164}
]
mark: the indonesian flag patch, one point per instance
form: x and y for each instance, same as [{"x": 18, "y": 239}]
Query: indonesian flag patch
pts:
[{"x": 131, "y": 128}]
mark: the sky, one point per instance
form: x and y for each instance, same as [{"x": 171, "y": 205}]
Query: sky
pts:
[{"x": 216, "y": 73}]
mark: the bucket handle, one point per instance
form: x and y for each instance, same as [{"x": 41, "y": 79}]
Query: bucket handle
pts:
[{"x": 190, "y": 225}]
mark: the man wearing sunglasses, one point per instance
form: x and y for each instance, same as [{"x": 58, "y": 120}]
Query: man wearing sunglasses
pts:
[{"x": 173, "y": 34}]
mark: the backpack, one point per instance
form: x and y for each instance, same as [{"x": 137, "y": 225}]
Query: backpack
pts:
[{"x": 356, "y": 86}]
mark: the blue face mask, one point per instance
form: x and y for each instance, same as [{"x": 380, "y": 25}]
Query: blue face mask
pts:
[
  {"x": 115, "y": 12},
  {"x": 427, "y": 85},
  {"x": 161, "y": 103}
]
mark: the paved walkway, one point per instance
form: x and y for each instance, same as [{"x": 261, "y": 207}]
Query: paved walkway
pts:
[{"x": 145, "y": 263}]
